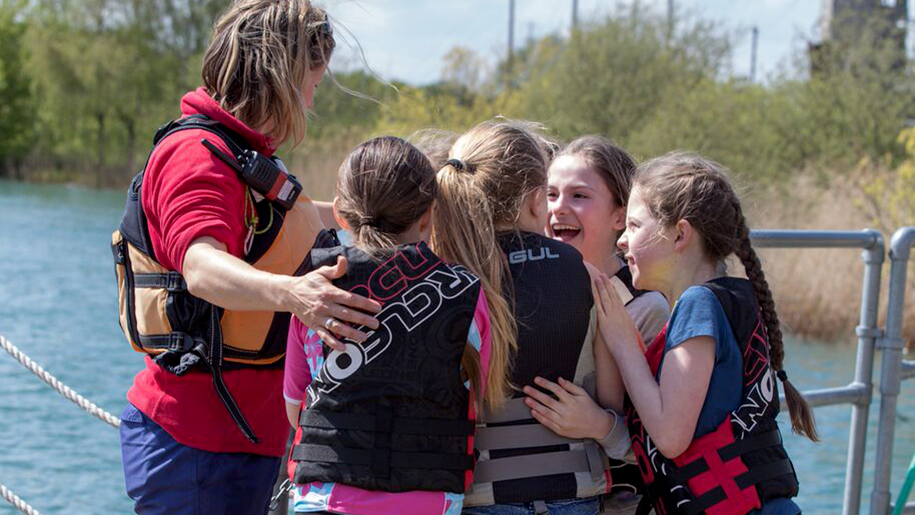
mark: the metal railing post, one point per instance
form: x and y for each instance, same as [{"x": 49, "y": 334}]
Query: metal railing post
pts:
[
  {"x": 859, "y": 393},
  {"x": 891, "y": 347},
  {"x": 868, "y": 333}
]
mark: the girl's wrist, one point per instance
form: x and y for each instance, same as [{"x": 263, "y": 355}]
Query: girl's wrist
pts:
[{"x": 605, "y": 427}]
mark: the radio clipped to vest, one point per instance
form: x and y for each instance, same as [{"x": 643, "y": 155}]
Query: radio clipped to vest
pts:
[{"x": 264, "y": 175}]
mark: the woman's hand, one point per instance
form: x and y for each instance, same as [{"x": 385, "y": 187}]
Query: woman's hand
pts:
[
  {"x": 328, "y": 310},
  {"x": 573, "y": 413}
]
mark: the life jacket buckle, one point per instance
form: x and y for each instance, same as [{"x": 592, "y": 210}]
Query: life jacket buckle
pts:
[
  {"x": 119, "y": 251},
  {"x": 175, "y": 283},
  {"x": 180, "y": 342}
]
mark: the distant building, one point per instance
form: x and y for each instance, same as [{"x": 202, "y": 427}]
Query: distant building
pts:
[{"x": 844, "y": 24}]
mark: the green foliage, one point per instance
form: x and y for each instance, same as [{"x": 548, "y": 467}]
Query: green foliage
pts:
[
  {"x": 100, "y": 75},
  {"x": 889, "y": 192},
  {"x": 106, "y": 73},
  {"x": 609, "y": 78},
  {"x": 16, "y": 104}
]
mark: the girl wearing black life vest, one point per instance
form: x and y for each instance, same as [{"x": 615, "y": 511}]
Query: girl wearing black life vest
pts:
[
  {"x": 702, "y": 400},
  {"x": 493, "y": 198},
  {"x": 386, "y": 425},
  {"x": 589, "y": 183}
]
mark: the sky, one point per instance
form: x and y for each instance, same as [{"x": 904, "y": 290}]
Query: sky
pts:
[{"x": 406, "y": 39}]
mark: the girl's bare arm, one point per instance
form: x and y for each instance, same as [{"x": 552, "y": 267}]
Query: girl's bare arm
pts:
[{"x": 669, "y": 410}]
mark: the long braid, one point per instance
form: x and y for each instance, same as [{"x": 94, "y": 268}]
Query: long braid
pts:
[{"x": 802, "y": 420}]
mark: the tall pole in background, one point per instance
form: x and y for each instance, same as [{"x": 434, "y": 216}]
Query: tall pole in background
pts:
[
  {"x": 753, "y": 54},
  {"x": 511, "y": 34},
  {"x": 574, "y": 14},
  {"x": 670, "y": 20}
]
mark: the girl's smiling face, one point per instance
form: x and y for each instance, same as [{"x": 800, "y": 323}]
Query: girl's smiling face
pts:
[
  {"x": 582, "y": 210},
  {"x": 647, "y": 247}
]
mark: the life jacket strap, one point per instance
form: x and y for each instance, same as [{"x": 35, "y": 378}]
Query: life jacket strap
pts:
[
  {"x": 381, "y": 461},
  {"x": 542, "y": 464},
  {"x": 212, "y": 356},
  {"x": 512, "y": 411},
  {"x": 384, "y": 422},
  {"x": 176, "y": 341},
  {"x": 755, "y": 475},
  {"x": 518, "y": 437},
  {"x": 170, "y": 281},
  {"x": 749, "y": 444}
]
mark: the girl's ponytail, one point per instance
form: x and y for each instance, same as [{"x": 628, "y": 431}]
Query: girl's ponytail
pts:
[
  {"x": 802, "y": 421},
  {"x": 465, "y": 234}
]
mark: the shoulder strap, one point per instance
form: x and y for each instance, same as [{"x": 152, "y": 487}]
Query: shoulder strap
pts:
[
  {"x": 236, "y": 143},
  {"x": 133, "y": 224},
  {"x": 738, "y": 300},
  {"x": 624, "y": 275}
]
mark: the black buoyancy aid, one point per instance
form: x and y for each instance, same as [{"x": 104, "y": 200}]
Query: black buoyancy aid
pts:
[
  {"x": 160, "y": 317},
  {"x": 519, "y": 460},
  {"x": 393, "y": 413},
  {"x": 622, "y": 280},
  {"x": 742, "y": 464}
]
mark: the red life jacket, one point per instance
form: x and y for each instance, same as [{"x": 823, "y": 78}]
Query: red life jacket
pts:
[{"x": 740, "y": 465}]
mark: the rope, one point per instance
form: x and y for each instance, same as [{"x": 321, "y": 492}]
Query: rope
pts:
[
  {"x": 13, "y": 498},
  {"x": 61, "y": 388}
]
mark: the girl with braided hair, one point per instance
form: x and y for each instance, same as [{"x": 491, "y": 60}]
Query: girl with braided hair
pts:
[{"x": 701, "y": 401}]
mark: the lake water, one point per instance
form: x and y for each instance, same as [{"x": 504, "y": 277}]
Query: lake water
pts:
[{"x": 58, "y": 305}]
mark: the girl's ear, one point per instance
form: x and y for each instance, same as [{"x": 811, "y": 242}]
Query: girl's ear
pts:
[
  {"x": 425, "y": 221},
  {"x": 618, "y": 218},
  {"x": 537, "y": 205},
  {"x": 342, "y": 223},
  {"x": 684, "y": 233}
]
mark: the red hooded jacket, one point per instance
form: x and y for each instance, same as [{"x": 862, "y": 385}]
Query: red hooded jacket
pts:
[{"x": 188, "y": 193}]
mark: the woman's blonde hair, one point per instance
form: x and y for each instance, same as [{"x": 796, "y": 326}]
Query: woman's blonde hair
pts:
[
  {"x": 490, "y": 171},
  {"x": 258, "y": 60}
]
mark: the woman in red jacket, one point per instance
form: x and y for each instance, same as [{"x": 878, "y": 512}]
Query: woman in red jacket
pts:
[{"x": 205, "y": 428}]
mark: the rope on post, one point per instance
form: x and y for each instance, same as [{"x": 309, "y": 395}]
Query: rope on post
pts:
[
  {"x": 61, "y": 388},
  {"x": 15, "y": 500}
]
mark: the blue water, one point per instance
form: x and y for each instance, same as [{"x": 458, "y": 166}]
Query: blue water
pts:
[{"x": 58, "y": 305}]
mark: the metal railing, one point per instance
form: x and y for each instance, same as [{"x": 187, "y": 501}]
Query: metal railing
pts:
[
  {"x": 859, "y": 392},
  {"x": 893, "y": 370}
]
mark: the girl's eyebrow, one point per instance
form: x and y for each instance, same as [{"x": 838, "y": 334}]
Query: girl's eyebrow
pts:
[{"x": 580, "y": 186}]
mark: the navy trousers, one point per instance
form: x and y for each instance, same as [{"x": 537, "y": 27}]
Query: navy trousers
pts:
[{"x": 166, "y": 477}]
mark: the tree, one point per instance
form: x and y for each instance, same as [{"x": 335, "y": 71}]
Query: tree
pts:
[{"x": 16, "y": 105}]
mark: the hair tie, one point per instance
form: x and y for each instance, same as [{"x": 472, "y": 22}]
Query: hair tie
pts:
[
  {"x": 456, "y": 163},
  {"x": 781, "y": 374},
  {"x": 370, "y": 221}
]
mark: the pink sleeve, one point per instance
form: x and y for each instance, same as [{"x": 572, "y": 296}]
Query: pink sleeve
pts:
[
  {"x": 298, "y": 373},
  {"x": 481, "y": 320}
]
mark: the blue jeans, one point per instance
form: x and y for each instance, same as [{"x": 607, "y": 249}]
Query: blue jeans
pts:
[
  {"x": 589, "y": 506},
  {"x": 166, "y": 477}
]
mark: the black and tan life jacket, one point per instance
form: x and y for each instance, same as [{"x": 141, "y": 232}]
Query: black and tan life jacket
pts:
[
  {"x": 518, "y": 459},
  {"x": 160, "y": 317},
  {"x": 392, "y": 413}
]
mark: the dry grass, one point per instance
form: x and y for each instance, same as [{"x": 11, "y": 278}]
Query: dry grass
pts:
[
  {"x": 818, "y": 292},
  {"x": 315, "y": 163}
]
